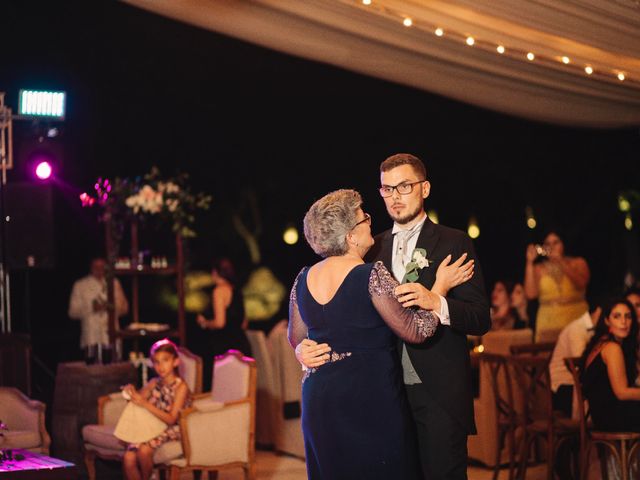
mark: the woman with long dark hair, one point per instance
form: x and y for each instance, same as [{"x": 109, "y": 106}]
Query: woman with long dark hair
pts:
[{"x": 609, "y": 369}]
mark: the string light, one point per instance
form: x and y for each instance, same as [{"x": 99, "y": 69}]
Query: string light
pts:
[
  {"x": 605, "y": 73},
  {"x": 628, "y": 222},
  {"x": 473, "y": 229}
]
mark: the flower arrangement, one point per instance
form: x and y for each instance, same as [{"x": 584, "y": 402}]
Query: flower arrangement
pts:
[
  {"x": 149, "y": 197},
  {"x": 418, "y": 261}
]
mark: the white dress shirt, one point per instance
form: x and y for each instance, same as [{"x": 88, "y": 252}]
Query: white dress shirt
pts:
[
  {"x": 94, "y": 325},
  {"x": 404, "y": 243}
]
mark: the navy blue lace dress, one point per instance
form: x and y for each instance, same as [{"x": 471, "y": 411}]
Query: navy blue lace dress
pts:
[{"x": 355, "y": 419}]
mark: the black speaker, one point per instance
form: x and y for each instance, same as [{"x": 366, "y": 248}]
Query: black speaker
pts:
[{"x": 29, "y": 229}]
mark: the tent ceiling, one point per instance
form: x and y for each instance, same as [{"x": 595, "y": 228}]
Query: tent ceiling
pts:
[{"x": 371, "y": 39}]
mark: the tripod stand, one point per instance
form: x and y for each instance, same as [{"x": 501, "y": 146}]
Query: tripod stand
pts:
[{"x": 6, "y": 162}]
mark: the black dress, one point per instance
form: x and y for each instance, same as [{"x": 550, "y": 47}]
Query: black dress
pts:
[
  {"x": 355, "y": 419},
  {"x": 217, "y": 342},
  {"x": 608, "y": 413}
]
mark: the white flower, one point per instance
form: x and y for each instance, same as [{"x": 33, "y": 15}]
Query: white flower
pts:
[{"x": 420, "y": 259}]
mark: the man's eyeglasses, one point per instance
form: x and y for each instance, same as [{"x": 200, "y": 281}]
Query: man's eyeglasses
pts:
[
  {"x": 402, "y": 188},
  {"x": 367, "y": 219}
]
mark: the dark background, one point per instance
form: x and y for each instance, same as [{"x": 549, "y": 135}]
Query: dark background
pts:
[{"x": 247, "y": 122}]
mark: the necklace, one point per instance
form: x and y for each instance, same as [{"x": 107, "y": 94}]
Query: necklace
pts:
[{"x": 555, "y": 272}]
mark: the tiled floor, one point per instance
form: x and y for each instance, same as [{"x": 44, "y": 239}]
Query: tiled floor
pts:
[{"x": 271, "y": 466}]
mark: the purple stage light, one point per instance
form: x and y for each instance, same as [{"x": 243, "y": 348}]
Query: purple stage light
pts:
[{"x": 43, "y": 170}]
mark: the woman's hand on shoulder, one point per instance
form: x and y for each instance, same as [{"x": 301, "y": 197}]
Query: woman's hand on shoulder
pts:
[{"x": 450, "y": 275}]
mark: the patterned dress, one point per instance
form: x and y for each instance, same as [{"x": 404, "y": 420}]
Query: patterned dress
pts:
[{"x": 162, "y": 396}]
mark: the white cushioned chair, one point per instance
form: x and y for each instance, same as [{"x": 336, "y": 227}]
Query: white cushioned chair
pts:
[
  {"x": 98, "y": 439},
  {"x": 266, "y": 407},
  {"x": 24, "y": 419},
  {"x": 218, "y": 431},
  {"x": 288, "y": 380}
]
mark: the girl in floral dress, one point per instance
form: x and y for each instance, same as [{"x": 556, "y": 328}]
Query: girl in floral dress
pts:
[{"x": 164, "y": 396}]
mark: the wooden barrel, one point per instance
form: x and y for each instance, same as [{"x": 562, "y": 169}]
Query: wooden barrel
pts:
[{"x": 75, "y": 401}]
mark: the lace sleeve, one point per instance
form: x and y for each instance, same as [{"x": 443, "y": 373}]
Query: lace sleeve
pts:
[
  {"x": 412, "y": 325},
  {"x": 297, "y": 330}
]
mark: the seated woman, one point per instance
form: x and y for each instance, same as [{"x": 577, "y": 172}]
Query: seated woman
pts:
[
  {"x": 502, "y": 315},
  {"x": 610, "y": 370},
  {"x": 523, "y": 310}
]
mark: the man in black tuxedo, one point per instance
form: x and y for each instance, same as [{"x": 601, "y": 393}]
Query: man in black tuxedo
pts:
[{"x": 437, "y": 373}]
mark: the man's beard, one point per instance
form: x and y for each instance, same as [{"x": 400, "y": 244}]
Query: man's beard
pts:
[{"x": 408, "y": 217}]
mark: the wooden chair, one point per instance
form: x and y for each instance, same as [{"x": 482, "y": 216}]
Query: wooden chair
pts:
[
  {"x": 533, "y": 382},
  {"x": 507, "y": 419},
  {"x": 482, "y": 447},
  {"x": 622, "y": 445}
]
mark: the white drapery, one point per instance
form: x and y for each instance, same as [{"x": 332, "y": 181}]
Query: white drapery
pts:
[{"x": 372, "y": 40}]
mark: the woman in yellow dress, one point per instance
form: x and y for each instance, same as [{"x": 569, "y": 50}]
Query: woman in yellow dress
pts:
[{"x": 559, "y": 283}]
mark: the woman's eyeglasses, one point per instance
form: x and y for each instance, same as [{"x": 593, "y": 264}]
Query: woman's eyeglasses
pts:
[{"x": 366, "y": 219}]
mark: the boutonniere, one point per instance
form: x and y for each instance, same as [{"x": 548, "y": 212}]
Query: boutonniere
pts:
[{"x": 418, "y": 261}]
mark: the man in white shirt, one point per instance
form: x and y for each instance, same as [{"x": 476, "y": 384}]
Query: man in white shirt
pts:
[
  {"x": 571, "y": 342},
  {"x": 88, "y": 303}
]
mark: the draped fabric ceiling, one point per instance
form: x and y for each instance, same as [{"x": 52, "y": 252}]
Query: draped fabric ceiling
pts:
[{"x": 373, "y": 40}]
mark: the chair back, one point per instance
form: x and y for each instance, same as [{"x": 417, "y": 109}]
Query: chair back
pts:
[
  {"x": 573, "y": 365},
  {"x": 497, "y": 371},
  {"x": 539, "y": 348},
  {"x": 533, "y": 381},
  {"x": 190, "y": 369},
  {"x": 233, "y": 376},
  {"x": 266, "y": 406},
  {"x": 499, "y": 341}
]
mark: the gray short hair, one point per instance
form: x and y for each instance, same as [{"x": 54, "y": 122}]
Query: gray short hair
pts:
[{"x": 329, "y": 220}]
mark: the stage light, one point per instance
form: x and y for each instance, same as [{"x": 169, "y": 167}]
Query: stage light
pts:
[
  {"x": 42, "y": 104},
  {"x": 43, "y": 170},
  {"x": 628, "y": 222},
  {"x": 433, "y": 215}
]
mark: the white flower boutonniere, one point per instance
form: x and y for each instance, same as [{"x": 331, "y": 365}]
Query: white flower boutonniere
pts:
[{"x": 418, "y": 261}]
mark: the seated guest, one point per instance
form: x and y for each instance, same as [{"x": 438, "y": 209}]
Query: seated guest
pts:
[
  {"x": 571, "y": 342},
  {"x": 610, "y": 370},
  {"x": 633, "y": 295},
  {"x": 523, "y": 309},
  {"x": 502, "y": 315}
]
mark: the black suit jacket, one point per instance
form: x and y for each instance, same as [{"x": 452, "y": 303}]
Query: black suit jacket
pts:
[{"x": 442, "y": 361}]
